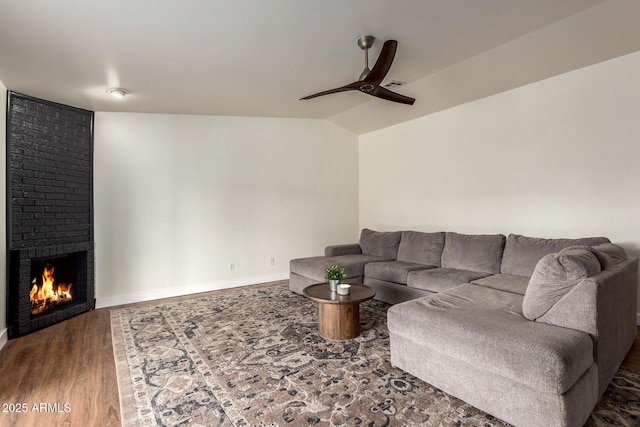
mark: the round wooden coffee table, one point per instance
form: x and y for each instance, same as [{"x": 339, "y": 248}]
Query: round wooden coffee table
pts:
[{"x": 338, "y": 315}]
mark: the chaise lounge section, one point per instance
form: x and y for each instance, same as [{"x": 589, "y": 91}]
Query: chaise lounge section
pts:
[
  {"x": 529, "y": 330},
  {"x": 374, "y": 246}
]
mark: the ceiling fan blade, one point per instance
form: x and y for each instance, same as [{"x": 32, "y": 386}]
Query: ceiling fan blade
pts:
[
  {"x": 350, "y": 86},
  {"x": 382, "y": 65},
  {"x": 369, "y": 82},
  {"x": 384, "y": 93}
]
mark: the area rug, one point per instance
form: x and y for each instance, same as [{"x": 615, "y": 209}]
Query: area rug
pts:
[{"x": 253, "y": 357}]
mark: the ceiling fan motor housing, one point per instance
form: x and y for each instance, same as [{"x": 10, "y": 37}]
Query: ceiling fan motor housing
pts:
[{"x": 365, "y": 42}]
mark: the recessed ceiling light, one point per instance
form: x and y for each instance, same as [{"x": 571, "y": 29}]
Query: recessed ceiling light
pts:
[{"x": 118, "y": 92}]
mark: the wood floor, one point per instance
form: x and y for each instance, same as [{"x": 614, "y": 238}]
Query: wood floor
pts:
[{"x": 65, "y": 375}]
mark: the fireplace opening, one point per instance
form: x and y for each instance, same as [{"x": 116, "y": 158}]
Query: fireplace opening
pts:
[
  {"x": 49, "y": 284},
  {"x": 52, "y": 282}
]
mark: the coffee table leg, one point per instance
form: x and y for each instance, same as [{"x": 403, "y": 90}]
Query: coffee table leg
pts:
[{"x": 339, "y": 322}]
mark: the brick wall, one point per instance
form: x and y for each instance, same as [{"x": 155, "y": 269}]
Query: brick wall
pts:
[
  {"x": 50, "y": 173},
  {"x": 49, "y": 204}
]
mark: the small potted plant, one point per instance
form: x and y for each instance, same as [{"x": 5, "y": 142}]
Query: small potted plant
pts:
[{"x": 334, "y": 275}]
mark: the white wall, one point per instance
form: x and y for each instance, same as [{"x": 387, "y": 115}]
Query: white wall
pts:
[
  {"x": 3, "y": 213},
  {"x": 557, "y": 158},
  {"x": 177, "y": 198}
]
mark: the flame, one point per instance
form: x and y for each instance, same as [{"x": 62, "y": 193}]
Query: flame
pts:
[{"x": 49, "y": 293}]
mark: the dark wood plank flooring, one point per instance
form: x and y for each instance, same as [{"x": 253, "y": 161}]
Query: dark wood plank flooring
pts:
[
  {"x": 66, "y": 376},
  {"x": 63, "y": 375}
]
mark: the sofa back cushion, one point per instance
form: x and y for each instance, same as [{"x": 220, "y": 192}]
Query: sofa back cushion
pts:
[
  {"x": 421, "y": 248},
  {"x": 380, "y": 243},
  {"x": 522, "y": 253},
  {"x": 554, "y": 276},
  {"x": 479, "y": 252}
]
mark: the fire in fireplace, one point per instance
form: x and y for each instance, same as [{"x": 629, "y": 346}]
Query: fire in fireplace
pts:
[{"x": 51, "y": 284}]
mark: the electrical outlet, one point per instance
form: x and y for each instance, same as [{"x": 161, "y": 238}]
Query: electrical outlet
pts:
[
  {"x": 273, "y": 261},
  {"x": 232, "y": 266}
]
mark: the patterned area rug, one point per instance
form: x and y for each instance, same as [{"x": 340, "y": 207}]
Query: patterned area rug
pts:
[{"x": 253, "y": 357}]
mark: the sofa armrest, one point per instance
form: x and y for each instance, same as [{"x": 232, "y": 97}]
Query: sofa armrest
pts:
[
  {"x": 603, "y": 306},
  {"x": 349, "y": 249},
  {"x": 606, "y": 301}
]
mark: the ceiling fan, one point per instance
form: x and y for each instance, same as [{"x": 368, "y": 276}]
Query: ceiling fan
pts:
[{"x": 369, "y": 80}]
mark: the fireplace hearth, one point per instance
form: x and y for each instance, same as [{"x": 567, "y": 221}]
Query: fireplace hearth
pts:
[{"x": 50, "y": 245}]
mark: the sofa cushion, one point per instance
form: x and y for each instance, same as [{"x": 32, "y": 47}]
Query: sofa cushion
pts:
[
  {"x": 314, "y": 267},
  {"x": 555, "y": 275},
  {"x": 485, "y": 328},
  {"x": 522, "y": 253},
  {"x": 421, "y": 248},
  {"x": 383, "y": 244},
  {"x": 392, "y": 271},
  {"x": 480, "y": 252},
  {"x": 504, "y": 282},
  {"x": 439, "y": 279}
]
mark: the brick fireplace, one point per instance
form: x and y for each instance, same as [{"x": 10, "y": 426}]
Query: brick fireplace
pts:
[{"x": 50, "y": 246}]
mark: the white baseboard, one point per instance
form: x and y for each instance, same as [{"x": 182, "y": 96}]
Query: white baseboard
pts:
[
  {"x": 187, "y": 290},
  {"x": 3, "y": 338}
]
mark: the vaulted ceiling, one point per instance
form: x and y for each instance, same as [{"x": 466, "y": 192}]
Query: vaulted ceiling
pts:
[{"x": 258, "y": 57}]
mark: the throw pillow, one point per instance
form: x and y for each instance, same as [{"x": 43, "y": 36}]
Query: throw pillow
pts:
[
  {"x": 607, "y": 253},
  {"x": 555, "y": 275}
]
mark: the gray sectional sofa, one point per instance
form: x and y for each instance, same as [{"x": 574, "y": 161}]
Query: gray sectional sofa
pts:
[{"x": 529, "y": 330}]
